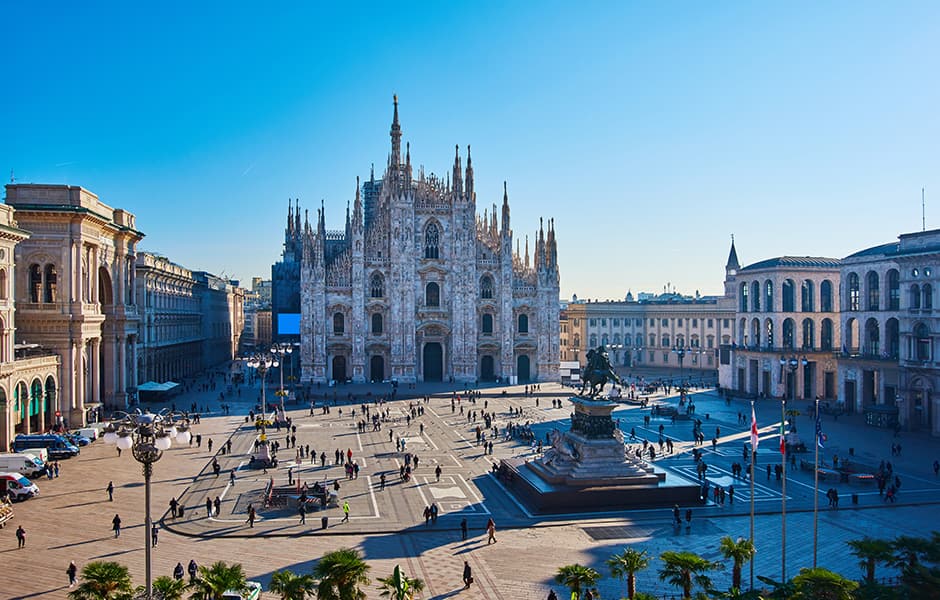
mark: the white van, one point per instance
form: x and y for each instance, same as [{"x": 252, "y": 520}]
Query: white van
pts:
[
  {"x": 40, "y": 453},
  {"x": 91, "y": 433},
  {"x": 16, "y": 487},
  {"x": 24, "y": 463}
]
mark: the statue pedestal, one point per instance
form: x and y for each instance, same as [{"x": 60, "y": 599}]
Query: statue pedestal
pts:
[{"x": 587, "y": 468}]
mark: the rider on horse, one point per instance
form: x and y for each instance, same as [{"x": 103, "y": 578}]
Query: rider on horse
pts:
[{"x": 597, "y": 372}]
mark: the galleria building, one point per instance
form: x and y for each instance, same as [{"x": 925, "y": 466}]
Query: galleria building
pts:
[{"x": 419, "y": 288}]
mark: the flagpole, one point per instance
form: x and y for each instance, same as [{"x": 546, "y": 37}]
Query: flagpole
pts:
[
  {"x": 753, "y": 459},
  {"x": 816, "y": 487},
  {"x": 783, "y": 514}
]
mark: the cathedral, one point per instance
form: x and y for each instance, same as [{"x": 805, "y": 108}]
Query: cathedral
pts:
[{"x": 418, "y": 287}]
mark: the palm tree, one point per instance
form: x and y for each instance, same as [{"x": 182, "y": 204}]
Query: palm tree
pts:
[
  {"x": 104, "y": 580},
  {"x": 167, "y": 588},
  {"x": 822, "y": 584},
  {"x": 340, "y": 573},
  {"x": 685, "y": 569},
  {"x": 292, "y": 587},
  {"x": 575, "y": 577},
  {"x": 399, "y": 586},
  {"x": 870, "y": 552},
  {"x": 739, "y": 552},
  {"x": 214, "y": 581},
  {"x": 627, "y": 564}
]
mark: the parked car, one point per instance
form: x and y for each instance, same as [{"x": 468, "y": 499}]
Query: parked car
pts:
[
  {"x": 16, "y": 487},
  {"x": 77, "y": 439},
  {"x": 253, "y": 593}
]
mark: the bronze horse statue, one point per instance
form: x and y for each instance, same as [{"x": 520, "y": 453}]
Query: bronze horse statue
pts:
[{"x": 597, "y": 372}]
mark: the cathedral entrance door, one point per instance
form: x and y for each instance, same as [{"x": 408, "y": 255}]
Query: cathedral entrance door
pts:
[
  {"x": 522, "y": 368},
  {"x": 433, "y": 362},
  {"x": 377, "y": 369},
  {"x": 487, "y": 372},
  {"x": 339, "y": 369}
]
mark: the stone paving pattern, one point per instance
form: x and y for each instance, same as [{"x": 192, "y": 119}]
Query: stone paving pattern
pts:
[{"x": 71, "y": 519}]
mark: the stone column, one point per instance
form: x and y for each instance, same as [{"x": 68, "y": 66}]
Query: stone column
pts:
[
  {"x": 94, "y": 366},
  {"x": 120, "y": 388}
]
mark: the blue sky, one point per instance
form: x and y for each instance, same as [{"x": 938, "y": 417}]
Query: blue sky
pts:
[{"x": 650, "y": 131}]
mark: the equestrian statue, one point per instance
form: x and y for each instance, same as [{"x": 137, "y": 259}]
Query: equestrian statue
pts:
[{"x": 597, "y": 372}]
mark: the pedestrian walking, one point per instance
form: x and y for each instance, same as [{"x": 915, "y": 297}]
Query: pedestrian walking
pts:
[
  {"x": 154, "y": 534},
  {"x": 467, "y": 575},
  {"x": 463, "y": 529},
  {"x": 173, "y": 506},
  {"x": 209, "y": 444},
  {"x": 677, "y": 516},
  {"x": 110, "y": 489},
  {"x": 382, "y": 481},
  {"x": 302, "y": 511},
  {"x": 217, "y": 505},
  {"x": 208, "y": 508},
  {"x": 437, "y": 473},
  {"x": 490, "y": 531},
  {"x": 193, "y": 571},
  {"x": 231, "y": 477},
  {"x": 72, "y": 571},
  {"x": 688, "y": 519},
  {"x": 345, "y": 512},
  {"x": 251, "y": 516},
  {"x": 20, "y": 537},
  {"x": 178, "y": 572},
  {"x": 552, "y": 595},
  {"x": 116, "y": 525}
]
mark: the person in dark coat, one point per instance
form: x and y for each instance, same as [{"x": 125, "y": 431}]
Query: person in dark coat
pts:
[
  {"x": 467, "y": 575},
  {"x": 178, "y": 572}
]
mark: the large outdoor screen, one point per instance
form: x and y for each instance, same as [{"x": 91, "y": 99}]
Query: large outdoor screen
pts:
[{"x": 288, "y": 324}]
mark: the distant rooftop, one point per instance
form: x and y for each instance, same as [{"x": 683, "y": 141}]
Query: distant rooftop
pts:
[{"x": 795, "y": 262}]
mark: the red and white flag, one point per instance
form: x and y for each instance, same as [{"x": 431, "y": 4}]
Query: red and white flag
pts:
[{"x": 754, "y": 437}]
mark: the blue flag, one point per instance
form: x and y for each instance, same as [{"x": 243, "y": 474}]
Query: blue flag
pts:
[{"x": 819, "y": 432}]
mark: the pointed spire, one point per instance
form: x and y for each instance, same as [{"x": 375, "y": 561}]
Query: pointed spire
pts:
[
  {"x": 526, "y": 260},
  {"x": 408, "y": 154},
  {"x": 297, "y": 215},
  {"x": 458, "y": 177},
  {"x": 290, "y": 217},
  {"x": 395, "y": 133},
  {"x": 493, "y": 224},
  {"x": 468, "y": 180},
  {"x": 357, "y": 208},
  {"x": 505, "y": 224},
  {"x": 732, "y": 258}
]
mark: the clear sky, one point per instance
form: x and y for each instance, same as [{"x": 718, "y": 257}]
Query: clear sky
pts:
[{"x": 651, "y": 131}]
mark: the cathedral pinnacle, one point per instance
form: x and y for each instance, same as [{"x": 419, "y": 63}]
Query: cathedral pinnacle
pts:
[{"x": 395, "y": 158}]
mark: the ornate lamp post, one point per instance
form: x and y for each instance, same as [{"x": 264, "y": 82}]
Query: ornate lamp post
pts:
[
  {"x": 282, "y": 351},
  {"x": 791, "y": 364},
  {"x": 262, "y": 361},
  {"x": 147, "y": 436}
]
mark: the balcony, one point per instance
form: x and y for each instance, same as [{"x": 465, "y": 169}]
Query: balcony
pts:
[{"x": 887, "y": 357}]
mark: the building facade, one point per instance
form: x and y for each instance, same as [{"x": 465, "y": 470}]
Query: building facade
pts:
[
  {"x": 668, "y": 330},
  {"x": 75, "y": 293},
  {"x": 424, "y": 289}
]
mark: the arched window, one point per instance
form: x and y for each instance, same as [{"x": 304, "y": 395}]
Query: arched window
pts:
[
  {"x": 807, "y": 296},
  {"x": 921, "y": 342},
  {"x": 35, "y": 283},
  {"x": 825, "y": 296},
  {"x": 769, "y": 332},
  {"x": 894, "y": 290},
  {"x": 927, "y": 291},
  {"x": 789, "y": 295},
  {"x": 604, "y": 340},
  {"x": 652, "y": 341},
  {"x": 755, "y": 296},
  {"x": 892, "y": 338},
  {"x": 377, "y": 286},
  {"x": 755, "y": 333},
  {"x": 788, "y": 333},
  {"x": 377, "y": 324},
  {"x": 639, "y": 340},
  {"x": 593, "y": 340},
  {"x": 3, "y": 284},
  {"x": 874, "y": 291},
  {"x": 486, "y": 287},
  {"x": 768, "y": 296},
  {"x": 487, "y": 324},
  {"x": 744, "y": 294},
  {"x": 825, "y": 335},
  {"x": 339, "y": 323},
  {"x": 665, "y": 341},
  {"x": 872, "y": 338},
  {"x": 809, "y": 334},
  {"x": 432, "y": 241},
  {"x": 852, "y": 293},
  {"x": 48, "y": 293},
  {"x": 616, "y": 338},
  {"x": 432, "y": 294},
  {"x": 915, "y": 296},
  {"x": 577, "y": 340},
  {"x": 523, "y": 323}
]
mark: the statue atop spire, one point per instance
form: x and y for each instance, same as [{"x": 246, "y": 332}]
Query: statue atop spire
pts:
[{"x": 505, "y": 224}]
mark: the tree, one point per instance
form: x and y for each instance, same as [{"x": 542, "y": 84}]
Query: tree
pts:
[
  {"x": 626, "y": 565},
  {"x": 104, "y": 580},
  {"x": 217, "y": 579},
  {"x": 870, "y": 552},
  {"x": 576, "y": 577},
  {"x": 399, "y": 586},
  {"x": 167, "y": 588},
  {"x": 340, "y": 574},
  {"x": 685, "y": 569},
  {"x": 822, "y": 584},
  {"x": 290, "y": 586},
  {"x": 739, "y": 551}
]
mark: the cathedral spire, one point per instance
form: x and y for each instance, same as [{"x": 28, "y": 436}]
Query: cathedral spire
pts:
[
  {"x": 297, "y": 216},
  {"x": 290, "y": 218},
  {"x": 526, "y": 260},
  {"x": 357, "y": 208},
  {"x": 395, "y": 158},
  {"x": 458, "y": 177},
  {"x": 505, "y": 223},
  {"x": 469, "y": 177}
]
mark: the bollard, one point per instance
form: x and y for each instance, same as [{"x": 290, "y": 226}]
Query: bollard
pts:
[{"x": 324, "y": 522}]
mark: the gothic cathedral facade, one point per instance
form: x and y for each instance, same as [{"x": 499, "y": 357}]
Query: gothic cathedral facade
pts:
[{"x": 419, "y": 288}]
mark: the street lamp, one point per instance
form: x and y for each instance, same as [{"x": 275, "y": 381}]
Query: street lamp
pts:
[
  {"x": 792, "y": 364},
  {"x": 147, "y": 436},
  {"x": 282, "y": 350},
  {"x": 262, "y": 361}
]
